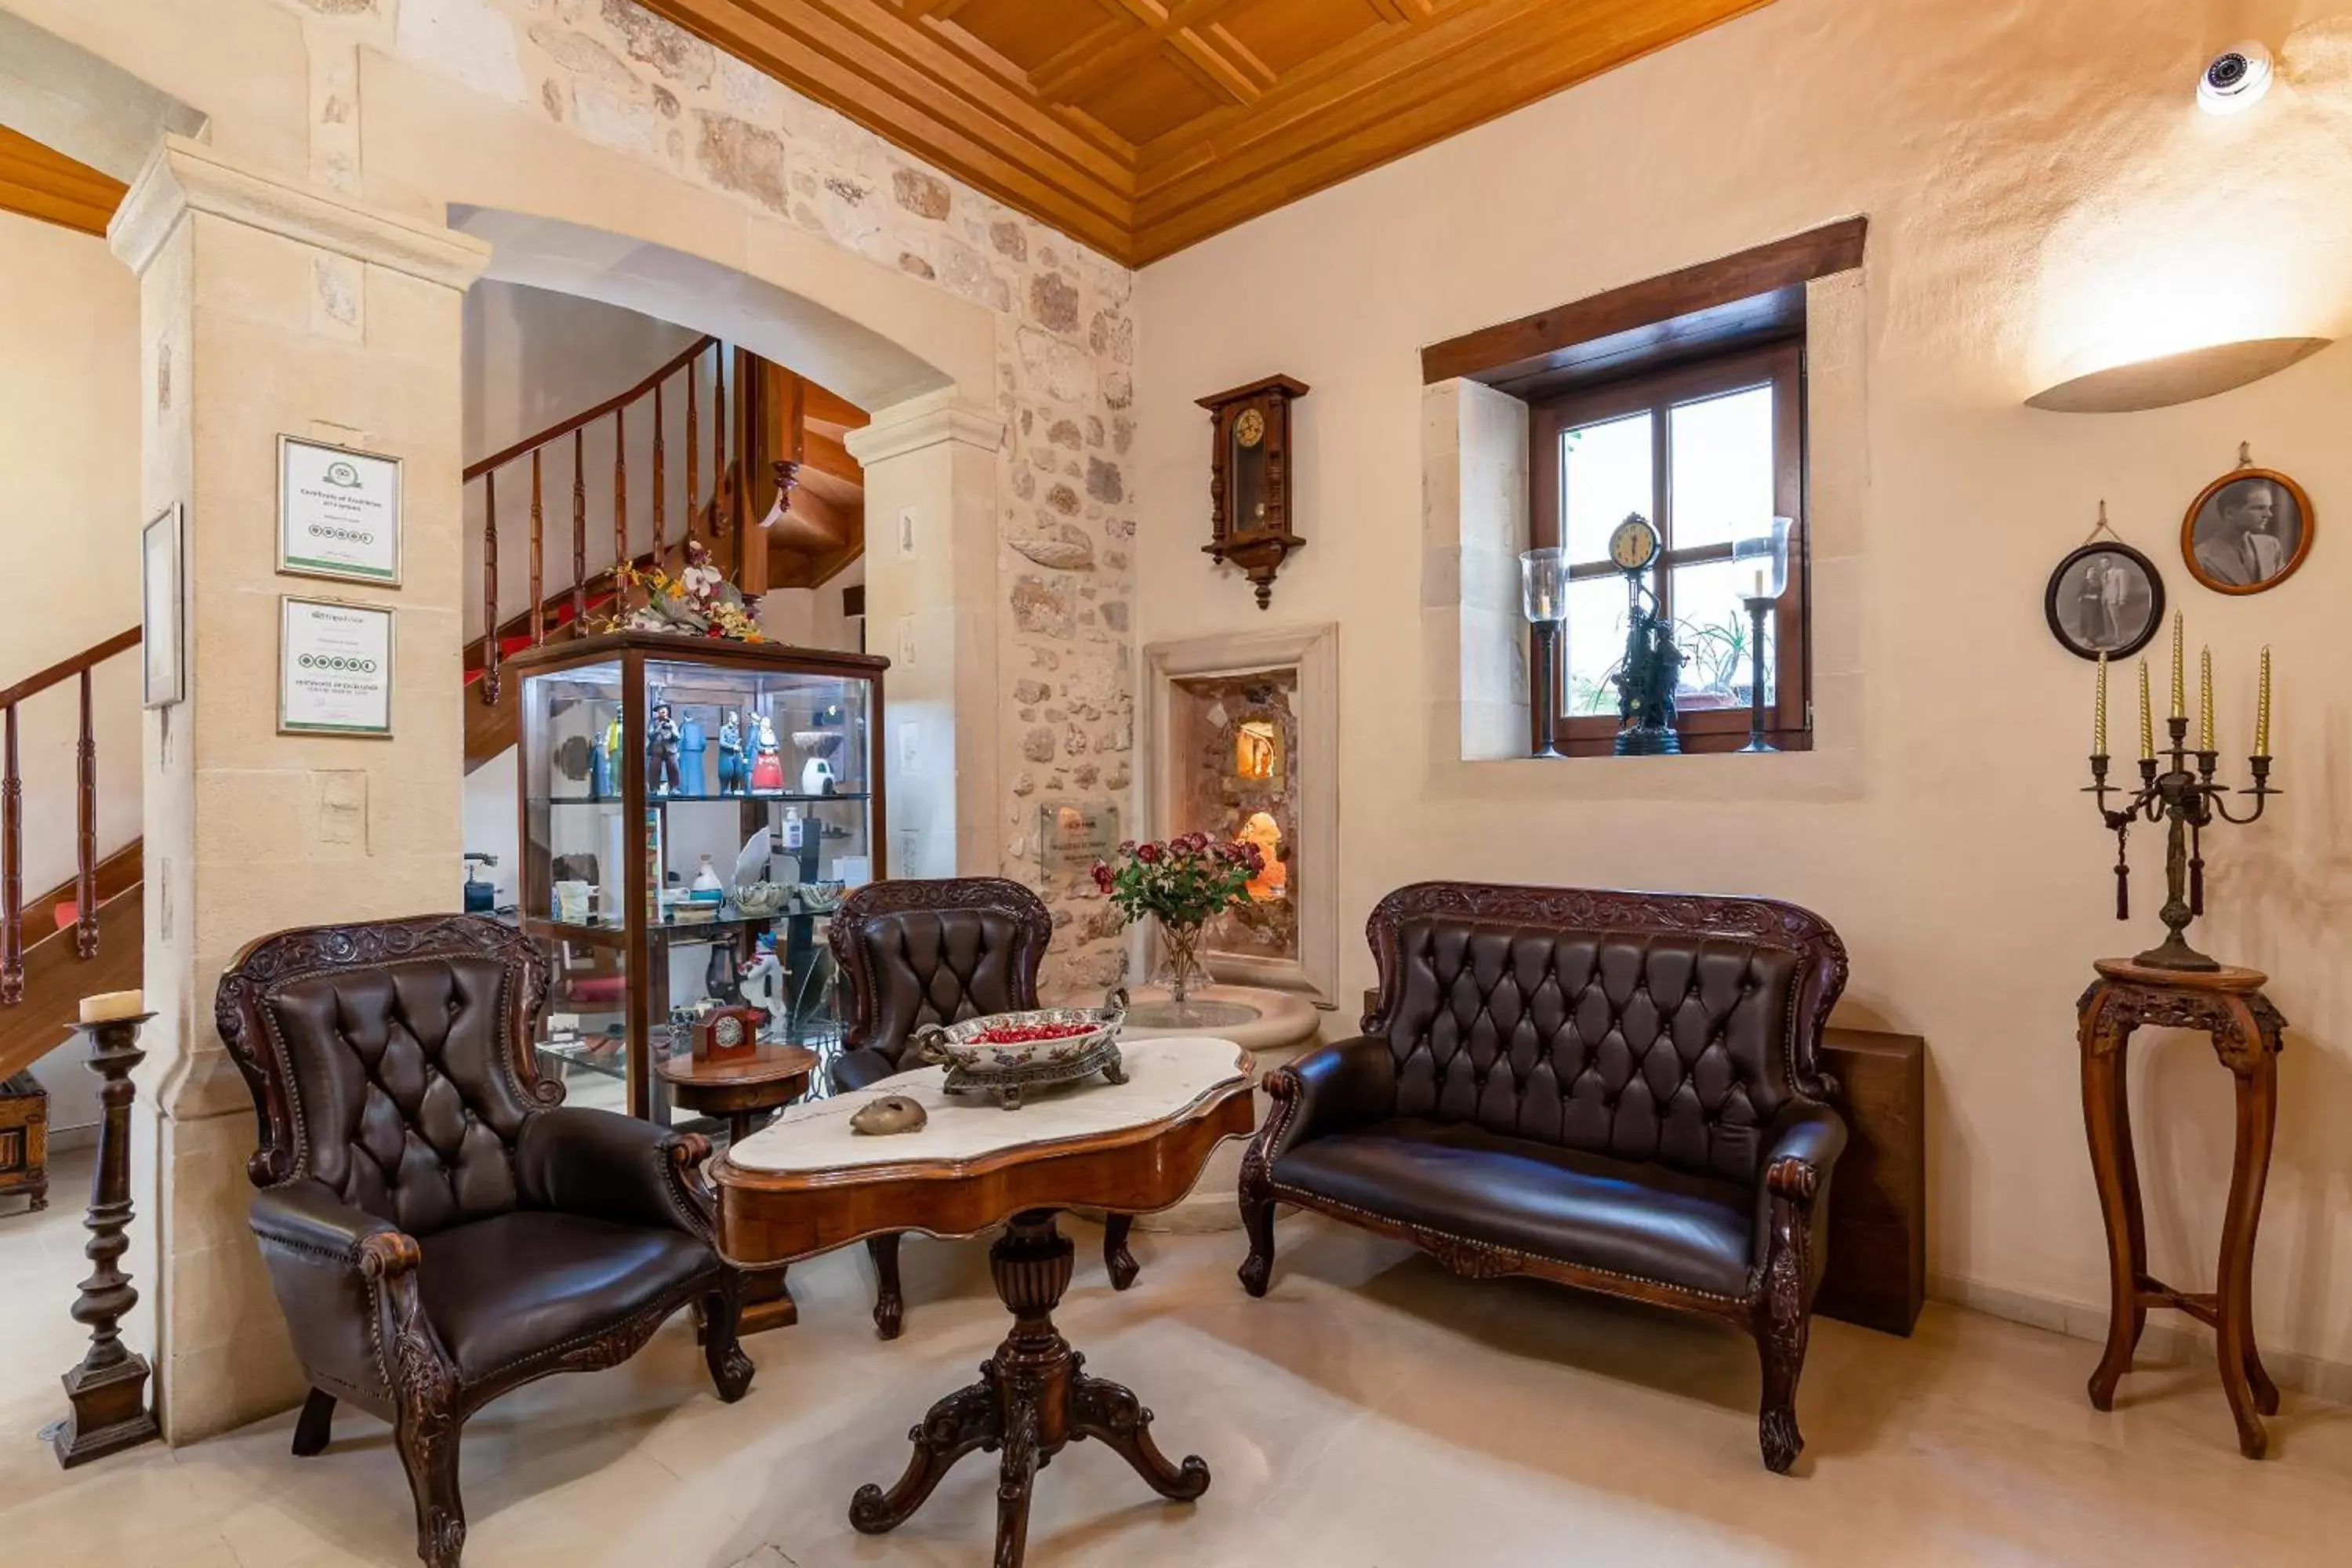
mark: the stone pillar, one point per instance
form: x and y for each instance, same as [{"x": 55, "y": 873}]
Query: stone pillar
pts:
[
  {"x": 932, "y": 609},
  {"x": 266, "y": 307}
]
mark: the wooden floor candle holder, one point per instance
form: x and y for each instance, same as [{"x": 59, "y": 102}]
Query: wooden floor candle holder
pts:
[{"x": 108, "y": 1389}]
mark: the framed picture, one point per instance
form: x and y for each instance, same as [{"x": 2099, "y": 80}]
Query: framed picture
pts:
[
  {"x": 338, "y": 513},
  {"x": 2104, "y": 598},
  {"x": 163, "y": 646},
  {"x": 2248, "y": 531},
  {"x": 334, "y": 668}
]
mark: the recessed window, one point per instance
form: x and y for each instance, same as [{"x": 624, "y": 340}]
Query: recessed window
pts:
[{"x": 1709, "y": 453}]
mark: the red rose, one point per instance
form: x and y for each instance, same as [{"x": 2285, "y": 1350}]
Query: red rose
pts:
[{"x": 1148, "y": 853}]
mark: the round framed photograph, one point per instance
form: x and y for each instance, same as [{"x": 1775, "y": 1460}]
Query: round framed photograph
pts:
[
  {"x": 2104, "y": 598},
  {"x": 2248, "y": 531}
]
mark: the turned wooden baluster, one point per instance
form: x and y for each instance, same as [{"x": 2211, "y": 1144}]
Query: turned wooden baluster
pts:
[
  {"x": 693, "y": 455},
  {"x": 86, "y": 832},
  {"x": 658, "y": 473},
  {"x": 578, "y": 537},
  {"x": 108, "y": 1389},
  {"x": 538, "y": 556},
  {"x": 490, "y": 589},
  {"x": 719, "y": 440},
  {"x": 12, "y": 873},
  {"x": 620, "y": 489}
]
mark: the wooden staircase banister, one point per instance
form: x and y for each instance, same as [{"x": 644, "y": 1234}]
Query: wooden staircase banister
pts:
[
  {"x": 66, "y": 669},
  {"x": 556, "y": 431}
]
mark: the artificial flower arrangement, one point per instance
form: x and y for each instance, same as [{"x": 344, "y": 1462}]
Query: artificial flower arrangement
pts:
[
  {"x": 700, "y": 602},
  {"x": 1184, "y": 883}
]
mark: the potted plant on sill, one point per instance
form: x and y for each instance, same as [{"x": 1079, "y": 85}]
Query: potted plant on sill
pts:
[{"x": 1182, "y": 883}]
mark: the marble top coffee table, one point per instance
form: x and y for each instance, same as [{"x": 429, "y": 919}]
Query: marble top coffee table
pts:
[{"x": 806, "y": 1184}]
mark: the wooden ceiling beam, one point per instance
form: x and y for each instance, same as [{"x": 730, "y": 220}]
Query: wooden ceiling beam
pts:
[
  {"x": 938, "y": 78},
  {"x": 38, "y": 182}
]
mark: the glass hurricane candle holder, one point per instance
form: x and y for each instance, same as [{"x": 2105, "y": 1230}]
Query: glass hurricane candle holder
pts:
[
  {"x": 1543, "y": 599},
  {"x": 1764, "y": 561}
]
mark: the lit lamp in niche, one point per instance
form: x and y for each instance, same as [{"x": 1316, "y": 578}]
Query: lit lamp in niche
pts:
[
  {"x": 1543, "y": 598},
  {"x": 1762, "y": 565}
]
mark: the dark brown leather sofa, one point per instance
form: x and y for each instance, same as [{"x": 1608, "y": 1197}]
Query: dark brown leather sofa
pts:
[
  {"x": 438, "y": 1227},
  {"x": 916, "y": 952},
  {"x": 1613, "y": 1091}
]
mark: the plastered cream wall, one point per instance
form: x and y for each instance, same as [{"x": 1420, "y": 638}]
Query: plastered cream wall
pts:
[{"x": 2044, "y": 199}]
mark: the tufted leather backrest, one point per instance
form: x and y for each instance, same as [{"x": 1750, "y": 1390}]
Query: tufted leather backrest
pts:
[
  {"x": 1645, "y": 1027},
  {"x": 918, "y": 953},
  {"x": 390, "y": 1063}
]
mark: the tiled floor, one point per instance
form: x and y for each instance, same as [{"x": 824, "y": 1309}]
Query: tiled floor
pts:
[{"x": 1371, "y": 1412}]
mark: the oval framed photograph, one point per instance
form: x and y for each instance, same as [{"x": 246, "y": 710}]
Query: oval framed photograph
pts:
[
  {"x": 2104, "y": 598},
  {"x": 2248, "y": 531}
]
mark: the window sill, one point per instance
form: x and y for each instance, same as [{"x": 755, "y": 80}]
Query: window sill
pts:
[{"x": 1829, "y": 772}]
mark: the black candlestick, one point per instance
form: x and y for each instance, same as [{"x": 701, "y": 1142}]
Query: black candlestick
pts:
[
  {"x": 2183, "y": 797},
  {"x": 1547, "y": 688},
  {"x": 1758, "y": 608}
]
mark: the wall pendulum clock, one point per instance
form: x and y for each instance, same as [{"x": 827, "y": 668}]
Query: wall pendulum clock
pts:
[{"x": 1251, "y": 506}]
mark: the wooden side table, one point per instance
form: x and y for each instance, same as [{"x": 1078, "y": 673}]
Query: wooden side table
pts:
[
  {"x": 746, "y": 1092},
  {"x": 807, "y": 1184},
  {"x": 2227, "y": 1004}
]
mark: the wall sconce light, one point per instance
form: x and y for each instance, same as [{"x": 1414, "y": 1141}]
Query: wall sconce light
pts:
[
  {"x": 2176, "y": 378},
  {"x": 2235, "y": 79}
]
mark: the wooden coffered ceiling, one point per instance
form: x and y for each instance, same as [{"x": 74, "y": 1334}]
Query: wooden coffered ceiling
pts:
[{"x": 1142, "y": 126}]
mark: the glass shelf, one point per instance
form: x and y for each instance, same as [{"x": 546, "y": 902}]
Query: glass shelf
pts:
[{"x": 853, "y": 795}]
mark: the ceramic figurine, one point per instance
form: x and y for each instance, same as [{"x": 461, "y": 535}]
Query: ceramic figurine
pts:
[
  {"x": 891, "y": 1113},
  {"x": 767, "y": 766},
  {"x": 762, "y": 984},
  {"x": 661, "y": 753},
  {"x": 610, "y": 751},
  {"x": 691, "y": 743},
  {"x": 600, "y": 769},
  {"x": 730, "y": 755}
]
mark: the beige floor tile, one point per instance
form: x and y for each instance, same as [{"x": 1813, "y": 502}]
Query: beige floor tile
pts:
[{"x": 1373, "y": 1412}]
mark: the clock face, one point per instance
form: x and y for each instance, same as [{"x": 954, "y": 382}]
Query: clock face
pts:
[
  {"x": 1250, "y": 428},
  {"x": 728, "y": 1030},
  {"x": 1634, "y": 544}
]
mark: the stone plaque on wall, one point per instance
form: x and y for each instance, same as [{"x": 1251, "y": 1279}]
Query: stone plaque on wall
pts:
[{"x": 1071, "y": 838}]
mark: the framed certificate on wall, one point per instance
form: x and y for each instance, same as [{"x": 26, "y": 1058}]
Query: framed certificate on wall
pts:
[
  {"x": 334, "y": 668},
  {"x": 338, "y": 513}
]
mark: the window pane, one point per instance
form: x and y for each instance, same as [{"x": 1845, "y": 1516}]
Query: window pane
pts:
[
  {"x": 1711, "y": 627},
  {"x": 1604, "y": 473},
  {"x": 1723, "y": 468},
  {"x": 1596, "y": 644}
]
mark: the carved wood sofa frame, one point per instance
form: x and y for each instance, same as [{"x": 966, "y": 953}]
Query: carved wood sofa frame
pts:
[{"x": 1776, "y": 1307}]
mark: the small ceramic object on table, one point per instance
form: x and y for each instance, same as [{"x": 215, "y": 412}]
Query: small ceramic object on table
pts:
[
  {"x": 808, "y": 1184},
  {"x": 1002, "y": 1054},
  {"x": 893, "y": 1113}
]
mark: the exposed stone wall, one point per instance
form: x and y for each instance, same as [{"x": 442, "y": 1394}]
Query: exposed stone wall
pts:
[{"x": 625, "y": 78}]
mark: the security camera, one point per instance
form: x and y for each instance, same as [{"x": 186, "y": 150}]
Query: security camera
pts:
[{"x": 2235, "y": 79}]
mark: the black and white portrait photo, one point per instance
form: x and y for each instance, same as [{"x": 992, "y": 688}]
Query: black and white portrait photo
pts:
[
  {"x": 2104, "y": 598},
  {"x": 2248, "y": 531}
]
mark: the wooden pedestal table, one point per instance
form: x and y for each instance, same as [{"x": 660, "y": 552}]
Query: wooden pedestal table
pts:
[
  {"x": 2229, "y": 1005},
  {"x": 808, "y": 1185},
  {"x": 746, "y": 1092}
]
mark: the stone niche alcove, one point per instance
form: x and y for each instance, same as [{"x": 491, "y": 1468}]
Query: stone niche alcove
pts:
[{"x": 1243, "y": 731}]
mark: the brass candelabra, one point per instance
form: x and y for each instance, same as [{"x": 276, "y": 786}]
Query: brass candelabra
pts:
[{"x": 2181, "y": 794}]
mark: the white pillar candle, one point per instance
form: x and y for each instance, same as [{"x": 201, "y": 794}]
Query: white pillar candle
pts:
[{"x": 108, "y": 1005}]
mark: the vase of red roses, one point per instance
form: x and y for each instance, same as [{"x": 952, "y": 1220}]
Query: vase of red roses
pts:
[{"x": 1184, "y": 883}]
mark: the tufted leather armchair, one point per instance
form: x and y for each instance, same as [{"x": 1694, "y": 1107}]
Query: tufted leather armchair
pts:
[
  {"x": 917, "y": 952},
  {"x": 438, "y": 1227},
  {"x": 1614, "y": 1090}
]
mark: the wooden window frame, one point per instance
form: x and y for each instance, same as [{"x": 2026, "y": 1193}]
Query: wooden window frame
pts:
[{"x": 1781, "y": 364}]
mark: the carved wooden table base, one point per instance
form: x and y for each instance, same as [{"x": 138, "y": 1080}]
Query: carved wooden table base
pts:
[
  {"x": 1032, "y": 1400},
  {"x": 2228, "y": 1005}
]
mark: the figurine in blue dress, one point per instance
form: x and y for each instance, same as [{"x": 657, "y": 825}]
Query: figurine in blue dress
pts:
[{"x": 730, "y": 755}]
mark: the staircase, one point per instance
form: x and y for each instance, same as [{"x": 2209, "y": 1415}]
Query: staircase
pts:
[
  {"x": 86, "y": 935},
  {"x": 774, "y": 496}
]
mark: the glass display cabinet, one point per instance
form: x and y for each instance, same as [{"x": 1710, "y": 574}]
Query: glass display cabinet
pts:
[{"x": 693, "y": 811}]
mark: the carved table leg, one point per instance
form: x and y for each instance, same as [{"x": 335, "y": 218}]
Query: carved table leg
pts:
[
  {"x": 2257, "y": 1072},
  {"x": 1112, "y": 1415},
  {"x": 1030, "y": 1400},
  {"x": 2106, "y": 1118},
  {"x": 890, "y": 1306},
  {"x": 1117, "y": 1259}
]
